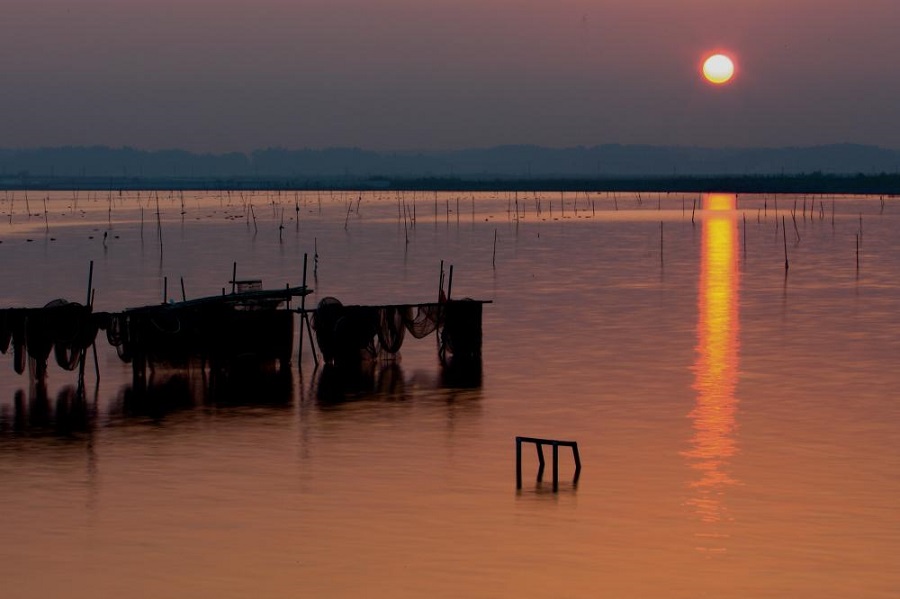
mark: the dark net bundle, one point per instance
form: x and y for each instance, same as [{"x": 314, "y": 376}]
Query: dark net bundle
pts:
[
  {"x": 12, "y": 331},
  {"x": 5, "y": 329},
  {"x": 348, "y": 334},
  {"x": 118, "y": 334},
  {"x": 73, "y": 328},
  {"x": 395, "y": 320},
  {"x": 426, "y": 321},
  {"x": 391, "y": 328},
  {"x": 324, "y": 318},
  {"x": 345, "y": 334},
  {"x": 63, "y": 328}
]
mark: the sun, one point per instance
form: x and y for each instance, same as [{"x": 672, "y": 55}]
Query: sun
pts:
[{"x": 718, "y": 69}]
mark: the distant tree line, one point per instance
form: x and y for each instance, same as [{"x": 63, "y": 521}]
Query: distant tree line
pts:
[
  {"x": 824, "y": 168},
  {"x": 880, "y": 184},
  {"x": 504, "y": 161}
]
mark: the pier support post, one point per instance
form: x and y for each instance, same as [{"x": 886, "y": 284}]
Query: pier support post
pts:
[
  {"x": 518, "y": 462},
  {"x": 555, "y": 466}
]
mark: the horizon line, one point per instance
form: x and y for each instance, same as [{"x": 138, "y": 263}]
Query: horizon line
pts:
[{"x": 449, "y": 150}]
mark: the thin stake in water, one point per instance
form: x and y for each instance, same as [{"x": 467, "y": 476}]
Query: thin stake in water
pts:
[
  {"x": 494, "y": 256},
  {"x": 784, "y": 235},
  {"x": 660, "y": 243}
]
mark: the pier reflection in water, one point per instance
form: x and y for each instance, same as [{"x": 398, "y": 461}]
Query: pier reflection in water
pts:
[
  {"x": 34, "y": 413},
  {"x": 73, "y": 412},
  {"x": 336, "y": 384},
  {"x": 713, "y": 442},
  {"x": 183, "y": 390}
]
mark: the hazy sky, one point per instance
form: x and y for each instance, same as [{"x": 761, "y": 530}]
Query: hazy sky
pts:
[{"x": 224, "y": 75}]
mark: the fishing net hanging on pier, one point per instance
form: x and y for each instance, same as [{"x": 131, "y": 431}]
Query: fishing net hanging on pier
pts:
[
  {"x": 65, "y": 329},
  {"x": 347, "y": 334}
]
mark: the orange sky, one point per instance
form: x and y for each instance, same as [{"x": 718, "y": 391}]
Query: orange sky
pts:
[{"x": 238, "y": 74}]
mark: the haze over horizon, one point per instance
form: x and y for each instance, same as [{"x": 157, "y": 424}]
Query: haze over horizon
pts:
[{"x": 396, "y": 75}]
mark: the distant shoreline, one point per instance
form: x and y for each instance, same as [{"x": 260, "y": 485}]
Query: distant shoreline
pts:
[{"x": 876, "y": 184}]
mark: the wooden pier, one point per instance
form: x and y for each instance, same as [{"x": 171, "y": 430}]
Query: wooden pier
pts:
[
  {"x": 223, "y": 331},
  {"x": 351, "y": 334}
]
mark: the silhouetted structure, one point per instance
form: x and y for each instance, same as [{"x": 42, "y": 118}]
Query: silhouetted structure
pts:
[
  {"x": 65, "y": 329},
  {"x": 226, "y": 332},
  {"x": 349, "y": 335}
]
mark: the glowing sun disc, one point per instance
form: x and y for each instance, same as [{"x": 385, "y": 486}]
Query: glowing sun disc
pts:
[{"x": 718, "y": 69}]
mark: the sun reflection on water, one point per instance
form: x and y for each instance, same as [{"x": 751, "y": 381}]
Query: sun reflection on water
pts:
[{"x": 713, "y": 442}]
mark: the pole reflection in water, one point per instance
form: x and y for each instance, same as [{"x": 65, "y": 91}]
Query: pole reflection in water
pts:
[
  {"x": 71, "y": 415},
  {"x": 715, "y": 370}
]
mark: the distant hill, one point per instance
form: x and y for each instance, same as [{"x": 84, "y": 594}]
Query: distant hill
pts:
[{"x": 502, "y": 162}]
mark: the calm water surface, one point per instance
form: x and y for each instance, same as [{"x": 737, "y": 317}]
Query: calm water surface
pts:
[{"x": 738, "y": 424}]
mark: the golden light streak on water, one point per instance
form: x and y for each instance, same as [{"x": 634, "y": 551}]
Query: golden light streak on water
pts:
[{"x": 716, "y": 369}]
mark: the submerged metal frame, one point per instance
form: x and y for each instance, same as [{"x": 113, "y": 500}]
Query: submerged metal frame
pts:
[{"x": 539, "y": 445}]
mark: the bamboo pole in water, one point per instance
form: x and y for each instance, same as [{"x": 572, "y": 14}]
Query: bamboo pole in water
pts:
[
  {"x": 784, "y": 235},
  {"x": 83, "y": 358},
  {"x": 745, "y": 235},
  {"x": 494, "y": 256},
  {"x": 159, "y": 226},
  {"x": 90, "y": 283},
  {"x": 304, "y": 321},
  {"x": 660, "y": 243},
  {"x": 449, "y": 282},
  {"x": 94, "y": 348}
]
